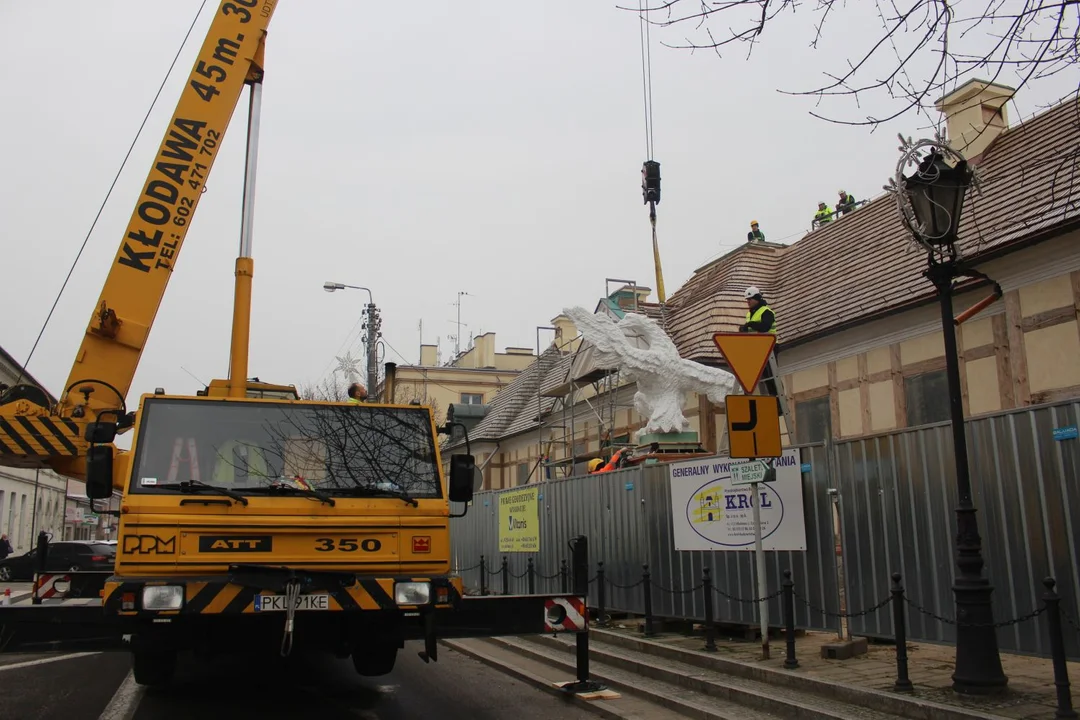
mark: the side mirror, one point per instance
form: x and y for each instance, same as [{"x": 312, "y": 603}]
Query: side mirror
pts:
[
  {"x": 100, "y": 433},
  {"x": 462, "y": 469},
  {"x": 99, "y": 472}
]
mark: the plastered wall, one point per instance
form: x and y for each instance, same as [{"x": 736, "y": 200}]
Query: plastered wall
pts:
[{"x": 1026, "y": 352}]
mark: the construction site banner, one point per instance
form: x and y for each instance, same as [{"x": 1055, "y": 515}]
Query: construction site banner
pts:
[
  {"x": 710, "y": 512},
  {"x": 519, "y": 521}
]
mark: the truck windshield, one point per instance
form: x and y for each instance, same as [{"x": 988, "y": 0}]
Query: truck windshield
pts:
[{"x": 253, "y": 448}]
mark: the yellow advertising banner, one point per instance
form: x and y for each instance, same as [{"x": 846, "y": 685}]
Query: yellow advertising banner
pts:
[{"x": 519, "y": 521}]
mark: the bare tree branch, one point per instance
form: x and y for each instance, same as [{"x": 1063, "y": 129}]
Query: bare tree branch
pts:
[{"x": 925, "y": 48}]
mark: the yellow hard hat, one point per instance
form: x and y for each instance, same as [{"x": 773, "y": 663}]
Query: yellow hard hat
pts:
[
  {"x": 595, "y": 463},
  {"x": 753, "y": 222}
]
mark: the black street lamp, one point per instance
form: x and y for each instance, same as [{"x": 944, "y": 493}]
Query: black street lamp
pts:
[{"x": 931, "y": 201}]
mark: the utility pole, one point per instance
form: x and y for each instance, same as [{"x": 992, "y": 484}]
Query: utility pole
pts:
[
  {"x": 373, "y": 325},
  {"x": 457, "y": 339}
]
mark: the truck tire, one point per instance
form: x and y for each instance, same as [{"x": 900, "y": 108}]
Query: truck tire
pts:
[
  {"x": 373, "y": 662},
  {"x": 153, "y": 667}
]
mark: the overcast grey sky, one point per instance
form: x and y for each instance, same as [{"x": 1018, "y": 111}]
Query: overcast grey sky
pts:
[{"x": 418, "y": 149}]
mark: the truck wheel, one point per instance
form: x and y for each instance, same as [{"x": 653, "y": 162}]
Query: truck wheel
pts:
[
  {"x": 373, "y": 662},
  {"x": 153, "y": 667}
]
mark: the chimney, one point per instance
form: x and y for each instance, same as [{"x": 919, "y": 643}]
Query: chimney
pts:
[
  {"x": 429, "y": 356},
  {"x": 484, "y": 347},
  {"x": 565, "y": 332},
  {"x": 975, "y": 114}
]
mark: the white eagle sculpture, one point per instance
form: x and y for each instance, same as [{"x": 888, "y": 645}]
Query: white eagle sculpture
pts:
[{"x": 639, "y": 347}]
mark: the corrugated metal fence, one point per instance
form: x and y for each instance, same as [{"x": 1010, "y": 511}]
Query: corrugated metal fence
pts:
[
  {"x": 626, "y": 515},
  {"x": 897, "y": 494},
  {"x": 898, "y": 499}
]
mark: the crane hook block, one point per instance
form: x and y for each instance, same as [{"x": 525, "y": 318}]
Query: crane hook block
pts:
[{"x": 650, "y": 181}]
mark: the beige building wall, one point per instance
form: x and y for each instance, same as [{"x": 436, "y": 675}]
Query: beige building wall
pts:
[
  {"x": 474, "y": 378},
  {"x": 1023, "y": 350},
  {"x": 440, "y": 386}
]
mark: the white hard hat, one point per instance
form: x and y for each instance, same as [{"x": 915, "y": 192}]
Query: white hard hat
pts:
[{"x": 751, "y": 292}]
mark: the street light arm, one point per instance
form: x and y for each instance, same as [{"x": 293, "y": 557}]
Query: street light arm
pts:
[
  {"x": 332, "y": 286},
  {"x": 982, "y": 304}
]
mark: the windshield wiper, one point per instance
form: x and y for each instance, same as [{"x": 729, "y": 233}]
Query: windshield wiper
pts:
[
  {"x": 190, "y": 486},
  {"x": 376, "y": 492},
  {"x": 310, "y": 492}
]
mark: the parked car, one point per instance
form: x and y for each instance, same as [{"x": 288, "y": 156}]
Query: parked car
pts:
[{"x": 63, "y": 555}]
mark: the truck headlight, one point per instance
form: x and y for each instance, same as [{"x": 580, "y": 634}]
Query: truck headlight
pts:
[
  {"x": 162, "y": 597},
  {"x": 412, "y": 593}
]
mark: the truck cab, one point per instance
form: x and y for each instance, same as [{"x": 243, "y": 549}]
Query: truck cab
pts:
[{"x": 263, "y": 522}]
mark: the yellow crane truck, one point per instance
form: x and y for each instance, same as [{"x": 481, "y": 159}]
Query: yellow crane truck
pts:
[{"x": 248, "y": 518}]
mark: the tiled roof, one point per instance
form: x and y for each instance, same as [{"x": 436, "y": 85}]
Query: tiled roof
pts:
[
  {"x": 863, "y": 264},
  {"x": 650, "y": 310},
  {"x": 712, "y": 300},
  {"x": 514, "y": 408}
]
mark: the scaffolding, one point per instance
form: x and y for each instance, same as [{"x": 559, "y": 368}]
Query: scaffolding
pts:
[{"x": 559, "y": 450}]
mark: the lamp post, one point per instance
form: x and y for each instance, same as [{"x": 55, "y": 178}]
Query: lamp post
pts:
[
  {"x": 373, "y": 325},
  {"x": 930, "y": 201}
]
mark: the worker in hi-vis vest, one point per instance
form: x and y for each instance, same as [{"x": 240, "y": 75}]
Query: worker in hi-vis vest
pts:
[
  {"x": 357, "y": 394},
  {"x": 760, "y": 319},
  {"x": 759, "y": 316},
  {"x": 240, "y": 464}
]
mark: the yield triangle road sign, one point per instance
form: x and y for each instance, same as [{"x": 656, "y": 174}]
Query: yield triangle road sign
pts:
[{"x": 746, "y": 355}]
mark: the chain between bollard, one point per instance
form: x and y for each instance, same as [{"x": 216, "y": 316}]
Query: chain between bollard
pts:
[
  {"x": 671, "y": 591},
  {"x": 754, "y": 601},
  {"x": 459, "y": 571},
  {"x": 960, "y": 623},
  {"x": 617, "y": 586},
  {"x": 860, "y": 613}
]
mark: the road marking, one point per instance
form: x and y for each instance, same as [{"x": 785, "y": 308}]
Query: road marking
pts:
[
  {"x": 42, "y": 661},
  {"x": 126, "y": 700}
]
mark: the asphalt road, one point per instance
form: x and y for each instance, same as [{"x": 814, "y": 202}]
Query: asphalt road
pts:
[
  {"x": 69, "y": 689},
  {"x": 81, "y": 688}
]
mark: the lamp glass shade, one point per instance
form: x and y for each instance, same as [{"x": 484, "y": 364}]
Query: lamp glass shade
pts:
[{"x": 936, "y": 192}]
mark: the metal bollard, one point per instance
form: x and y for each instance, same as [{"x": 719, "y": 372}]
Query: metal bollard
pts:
[
  {"x": 483, "y": 576},
  {"x": 1057, "y": 651},
  {"x": 790, "y": 663},
  {"x": 564, "y": 577},
  {"x": 903, "y": 683},
  {"x": 580, "y": 567},
  {"x": 601, "y": 594},
  {"x": 42, "y": 563},
  {"x": 530, "y": 570},
  {"x": 646, "y": 584},
  {"x": 505, "y": 576},
  {"x": 710, "y": 626}
]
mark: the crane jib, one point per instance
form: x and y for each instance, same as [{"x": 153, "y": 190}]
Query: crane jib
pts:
[
  {"x": 159, "y": 202},
  {"x": 187, "y": 152}
]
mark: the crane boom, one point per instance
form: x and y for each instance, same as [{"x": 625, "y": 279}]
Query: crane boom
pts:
[{"x": 32, "y": 434}]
